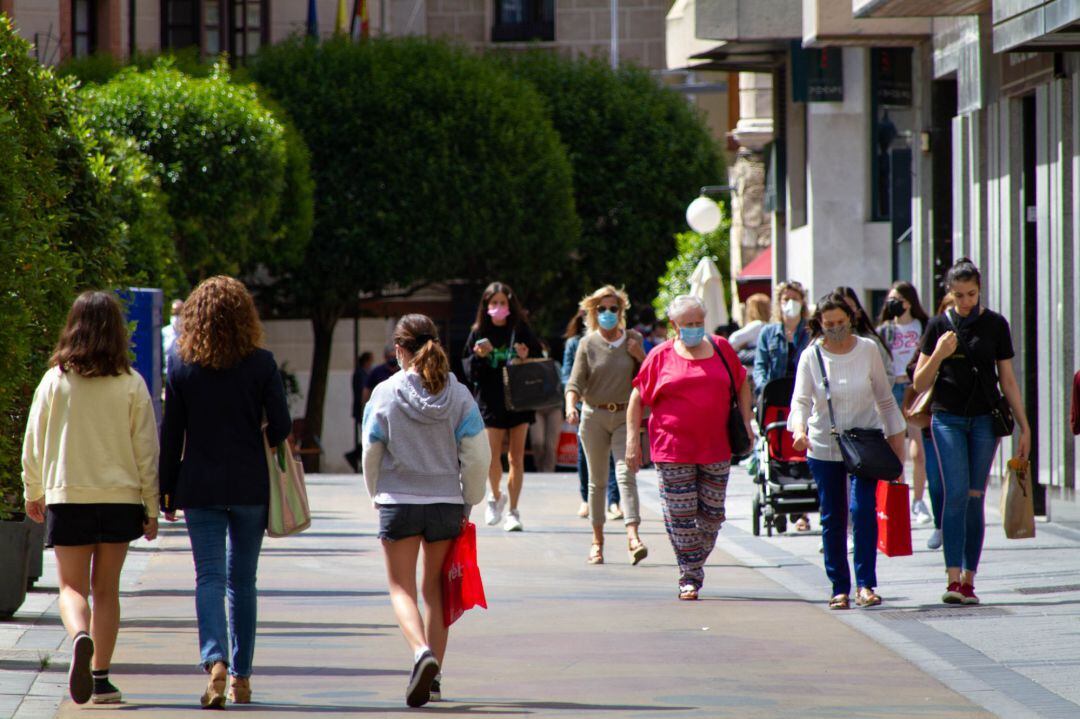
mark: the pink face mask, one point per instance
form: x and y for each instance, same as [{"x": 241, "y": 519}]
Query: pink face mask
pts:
[{"x": 499, "y": 313}]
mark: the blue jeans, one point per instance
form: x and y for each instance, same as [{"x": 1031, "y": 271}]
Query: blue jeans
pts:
[
  {"x": 226, "y": 570},
  {"x": 832, "y": 480},
  {"x": 933, "y": 477},
  {"x": 965, "y": 450},
  {"x": 583, "y": 476}
]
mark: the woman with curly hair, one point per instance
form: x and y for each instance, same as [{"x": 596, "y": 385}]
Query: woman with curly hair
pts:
[{"x": 219, "y": 393}]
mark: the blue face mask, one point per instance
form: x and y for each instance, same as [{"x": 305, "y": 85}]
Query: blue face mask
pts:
[
  {"x": 607, "y": 320},
  {"x": 691, "y": 336}
]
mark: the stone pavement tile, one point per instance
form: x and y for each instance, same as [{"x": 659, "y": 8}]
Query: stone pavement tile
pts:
[{"x": 560, "y": 639}]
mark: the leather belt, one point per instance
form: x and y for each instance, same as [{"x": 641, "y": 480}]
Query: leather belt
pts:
[{"x": 610, "y": 406}]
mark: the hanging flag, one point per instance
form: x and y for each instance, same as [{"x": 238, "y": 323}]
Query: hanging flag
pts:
[
  {"x": 312, "y": 19},
  {"x": 360, "y": 28},
  {"x": 342, "y": 18}
]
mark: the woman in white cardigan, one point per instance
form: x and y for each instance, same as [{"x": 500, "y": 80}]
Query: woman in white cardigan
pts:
[{"x": 862, "y": 398}]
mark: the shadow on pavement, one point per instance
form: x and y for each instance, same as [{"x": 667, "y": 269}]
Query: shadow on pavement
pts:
[
  {"x": 260, "y": 671},
  {"x": 263, "y": 593}
]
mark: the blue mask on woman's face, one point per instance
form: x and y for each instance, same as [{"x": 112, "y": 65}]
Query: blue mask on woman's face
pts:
[
  {"x": 691, "y": 336},
  {"x": 607, "y": 320}
]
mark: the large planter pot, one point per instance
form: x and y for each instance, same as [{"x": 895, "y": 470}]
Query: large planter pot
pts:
[
  {"x": 14, "y": 559},
  {"x": 35, "y": 547}
]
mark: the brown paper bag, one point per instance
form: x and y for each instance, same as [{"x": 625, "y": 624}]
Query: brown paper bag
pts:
[{"x": 1018, "y": 501}]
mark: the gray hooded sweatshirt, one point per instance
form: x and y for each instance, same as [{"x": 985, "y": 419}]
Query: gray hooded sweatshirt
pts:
[{"x": 420, "y": 460}]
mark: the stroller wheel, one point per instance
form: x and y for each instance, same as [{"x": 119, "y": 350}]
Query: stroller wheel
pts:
[{"x": 756, "y": 510}]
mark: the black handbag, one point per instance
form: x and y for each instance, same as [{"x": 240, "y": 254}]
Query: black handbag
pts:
[
  {"x": 866, "y": 452},
  {"x": 530, "y": 384},
  {"x": 1001, "y": 415},
  {"x": 741, "y": 443}
]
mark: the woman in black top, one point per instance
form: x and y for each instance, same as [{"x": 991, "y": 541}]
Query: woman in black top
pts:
[
  {"x": 499, "y": 334},
  {"x": 219, "y": 392},
  {"x": 967, "y": 357}
]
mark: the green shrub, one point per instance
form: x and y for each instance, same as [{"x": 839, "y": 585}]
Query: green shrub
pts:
[
  {"x": 692, "y": 248},
  {"x": 221, "y": 158},
  {"x": 640, "y": 154}
]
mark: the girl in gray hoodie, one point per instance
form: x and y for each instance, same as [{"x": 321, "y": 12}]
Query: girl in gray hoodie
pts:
[{"x": 425, "y": 464}]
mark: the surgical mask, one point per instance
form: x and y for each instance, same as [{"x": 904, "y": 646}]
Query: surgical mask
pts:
[
  {"x": 607, "y": 320},
  {"x": 499, "y": 313},
  {"x": 837, "y": 334},
  {"x": 691, "y": 336},
  {"x": 791, "y": 308}
]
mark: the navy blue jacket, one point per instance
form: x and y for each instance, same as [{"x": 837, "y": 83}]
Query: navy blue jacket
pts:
[{"x": 219, "y": 413}]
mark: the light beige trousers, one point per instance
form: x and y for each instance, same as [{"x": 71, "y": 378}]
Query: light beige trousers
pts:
[{"x": 603, "y": 433}]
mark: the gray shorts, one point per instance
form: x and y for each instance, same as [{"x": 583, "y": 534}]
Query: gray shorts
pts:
[{"x": 434, "y": 522}]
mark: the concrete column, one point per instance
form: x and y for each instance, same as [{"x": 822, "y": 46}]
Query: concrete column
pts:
[{"x": 751, "y": 228}]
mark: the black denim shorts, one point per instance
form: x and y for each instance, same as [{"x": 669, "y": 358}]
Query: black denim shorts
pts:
[
  {"x": 434, "y": 522},
  {"x": 74, "y": 525}
]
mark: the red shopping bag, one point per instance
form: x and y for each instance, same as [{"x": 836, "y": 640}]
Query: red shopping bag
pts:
[
  {"x": 566, "y": 455},
  {"x": 462, "y": 587},
  {"x": 893, "y": 519}
]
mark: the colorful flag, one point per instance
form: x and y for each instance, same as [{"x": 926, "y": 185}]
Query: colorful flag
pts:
[
  {"x": 341, "y": 21},
  {"x": 312, "y": 19},
  {"x": 360, "y": 29}
]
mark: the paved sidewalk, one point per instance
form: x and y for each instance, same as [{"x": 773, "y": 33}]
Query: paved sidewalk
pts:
[
  {"x": 1017, "y": 655},
  {"x": 561, "y": 638}
]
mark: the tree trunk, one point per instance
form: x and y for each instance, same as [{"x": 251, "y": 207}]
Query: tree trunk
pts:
[{"x": 322, "y": 324}]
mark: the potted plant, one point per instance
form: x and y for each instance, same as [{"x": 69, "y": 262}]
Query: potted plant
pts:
[{"x": 14, "y": 545}]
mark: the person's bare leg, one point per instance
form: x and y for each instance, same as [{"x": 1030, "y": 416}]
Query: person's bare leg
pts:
[
  {"x": 105, "y": 588},
  {"x": 73, "y": 573},
  {"x": 517, "y": 463},
  {"x": 918, "y": 463},
  {"x": 401, "y": 557},
  {"x": 495, "y": 439},
  {"x": 437, "y": 631}
]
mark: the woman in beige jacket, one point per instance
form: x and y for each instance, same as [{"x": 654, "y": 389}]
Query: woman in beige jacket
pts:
[{"x": 90, "y": 473}]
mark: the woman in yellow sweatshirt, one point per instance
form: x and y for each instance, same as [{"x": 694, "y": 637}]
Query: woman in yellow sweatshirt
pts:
[{"x": 90, "y": 473}]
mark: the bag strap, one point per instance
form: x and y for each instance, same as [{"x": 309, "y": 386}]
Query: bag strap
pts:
[
  {"x": 731, "y": 377},
  {"x": 828, "y": 390},
  {"x": 971, "y": 360}
]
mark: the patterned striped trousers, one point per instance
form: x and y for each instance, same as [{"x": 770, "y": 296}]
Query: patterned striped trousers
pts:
[{"x": 693, "y": 496}]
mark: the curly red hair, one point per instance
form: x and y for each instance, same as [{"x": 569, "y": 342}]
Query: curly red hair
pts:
[{"x": 219, "y": 324}]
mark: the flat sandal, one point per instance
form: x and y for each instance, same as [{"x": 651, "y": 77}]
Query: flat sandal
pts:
[
  {"x": 867, "y": 597},
  {"x": 840, "y": 601},
  {"x": 596, "y": 554}
]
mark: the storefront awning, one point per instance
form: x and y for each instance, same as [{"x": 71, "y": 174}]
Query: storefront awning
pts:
[
  {"x": 759, "y": 268},
  {"x": 1040, "y": 26},
  {"x": 741, "y": 57},
  {"x": 918, "y": 8}
]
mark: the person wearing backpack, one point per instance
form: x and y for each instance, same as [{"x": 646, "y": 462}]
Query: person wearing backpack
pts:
[{"x": 966, "y": 356}]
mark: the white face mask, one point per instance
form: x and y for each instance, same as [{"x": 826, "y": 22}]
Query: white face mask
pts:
[{"x": 791, "y": 308}]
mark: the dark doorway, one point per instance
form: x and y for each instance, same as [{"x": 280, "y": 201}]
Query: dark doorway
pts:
[
  {"x": 1030, "y": 348},
  {"x": 943, "y": 106}
]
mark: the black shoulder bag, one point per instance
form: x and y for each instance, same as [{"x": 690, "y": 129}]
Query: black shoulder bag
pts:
[
  {"x": 866, "y": 452},
  {"x": 741, "y": 443},
  {"x": 531, "y": 383},
  {"x": 1000, "y": 412}
]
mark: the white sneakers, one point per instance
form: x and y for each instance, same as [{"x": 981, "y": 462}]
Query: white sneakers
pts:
[
  {"x": 513, "y": 521},
  {"x": 920, "y": 512},
  {"x": 935, "y": 540},
  {"x": 493, "y": 513}
]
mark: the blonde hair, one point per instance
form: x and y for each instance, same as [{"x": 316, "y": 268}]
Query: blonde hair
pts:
[
  {"x": 783, "y": 287},
  {"x": 757, "y": 307},
  {"x": 221, "y": 324},
  {"x": 591, "y": 303}
]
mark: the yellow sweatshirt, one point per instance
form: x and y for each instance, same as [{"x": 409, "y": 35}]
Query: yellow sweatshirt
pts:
[{"x": 91, "y": 440}]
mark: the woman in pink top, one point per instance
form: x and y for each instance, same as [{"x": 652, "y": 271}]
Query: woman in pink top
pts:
[{"x": 689, "y": 389}]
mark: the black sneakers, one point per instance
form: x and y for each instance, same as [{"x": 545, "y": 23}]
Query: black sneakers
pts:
[
  {"x": 80, "y": 680},
  {"x": 423, "y": 675}
]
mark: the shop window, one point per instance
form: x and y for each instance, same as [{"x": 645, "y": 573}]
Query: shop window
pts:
[
  {"x": 180, "y": 26},
  {"x": 83, "y": 27},
  {"x": 892, "y": 120},
  {"x": 524, "y": 20}
]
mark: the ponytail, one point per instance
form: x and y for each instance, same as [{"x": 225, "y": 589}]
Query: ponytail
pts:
[{"x": 418, "y": 334}]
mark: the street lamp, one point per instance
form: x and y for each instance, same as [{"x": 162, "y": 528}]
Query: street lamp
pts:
[{"x": 703, "y": 214}]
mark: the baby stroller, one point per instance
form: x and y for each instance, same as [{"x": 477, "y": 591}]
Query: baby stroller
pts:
[{"x": 785, "y": 485}]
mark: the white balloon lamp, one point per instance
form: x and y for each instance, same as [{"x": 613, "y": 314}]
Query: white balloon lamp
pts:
[{"x": 703, "y": 215}]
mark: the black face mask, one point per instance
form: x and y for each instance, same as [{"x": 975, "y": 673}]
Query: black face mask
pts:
[{"x": 894, "y": 308}]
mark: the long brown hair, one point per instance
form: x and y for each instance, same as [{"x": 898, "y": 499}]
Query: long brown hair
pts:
[
  {"x": 483, "y": 323},
  {"x": 575, "y": 326},
  {"x": 419, "y": 335},
  {"x": 832, "y": 301},
  {"x": 94, "y": 342},
  {"x": 220, "y": 325},
  {"x": 908, "y": 292}
]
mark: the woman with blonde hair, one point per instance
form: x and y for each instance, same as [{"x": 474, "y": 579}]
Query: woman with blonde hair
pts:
[
  {"x": 426, "y": 457},
  {"x": 744, "y": 340},
  {"x": 219, "y": 394},
  {"x": 89, "y": 471},
  {"x": 607, "y": 360}
]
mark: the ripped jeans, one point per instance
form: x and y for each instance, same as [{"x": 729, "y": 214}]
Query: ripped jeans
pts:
[{"x": 965, "y": 448}]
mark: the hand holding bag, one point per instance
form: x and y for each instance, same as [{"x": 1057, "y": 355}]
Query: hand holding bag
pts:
[
  {"x": 531, "y": 383},
  {"x": 1000, "y": 411},
  {"x": 894, "y": 519},
  {"x": 1018, "y": 501},
  {"x": 288, "y": 512},
  {"x": 462, "y": 588},
  {"x": 740, "y": 441},
  {"x": 866, "y": 452}
]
